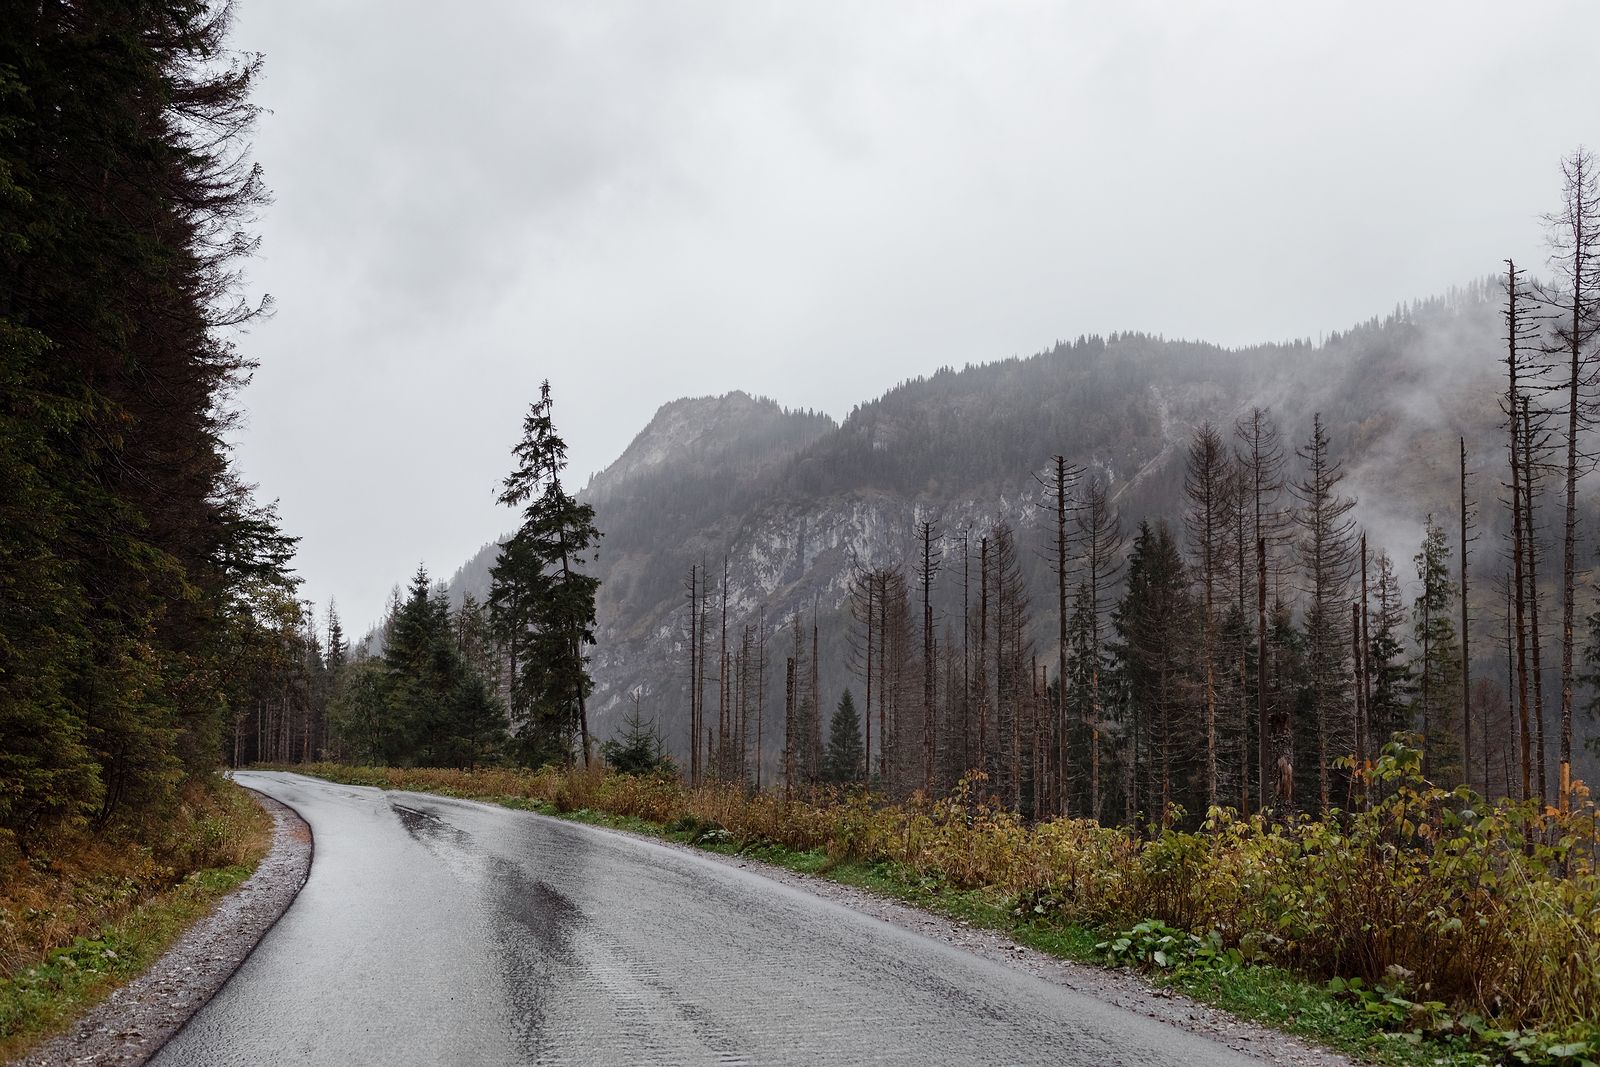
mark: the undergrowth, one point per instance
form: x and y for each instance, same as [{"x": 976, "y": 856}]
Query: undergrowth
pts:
[
  {"x": 82, "y": 913},
  {"x": 1430, "y": 928}
]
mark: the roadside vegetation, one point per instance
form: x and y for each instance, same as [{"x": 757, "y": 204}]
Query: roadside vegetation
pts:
[
  {"x": 1429, "y": 928},
  {"x": 82, "y": 913}
]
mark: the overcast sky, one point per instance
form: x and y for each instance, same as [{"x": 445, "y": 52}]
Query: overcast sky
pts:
[{"x": 814, "y": 201}]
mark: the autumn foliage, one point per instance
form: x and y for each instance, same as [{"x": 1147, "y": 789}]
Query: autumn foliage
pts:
[{"x": 1491, "y": 909}]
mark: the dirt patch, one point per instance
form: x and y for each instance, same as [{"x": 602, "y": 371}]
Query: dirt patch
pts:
[{"x": 133, "y": 1022}]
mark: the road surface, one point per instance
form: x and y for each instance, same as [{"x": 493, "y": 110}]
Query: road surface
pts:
[{"x": 438, "y": 931}]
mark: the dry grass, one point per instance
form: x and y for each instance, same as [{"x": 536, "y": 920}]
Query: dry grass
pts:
[
  {"x": 1488, "y": 910},
  {"x": 78, "y": 883}
]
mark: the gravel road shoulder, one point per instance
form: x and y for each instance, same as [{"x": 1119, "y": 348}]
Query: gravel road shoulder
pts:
[
  {"x": 1124, "y": 988},
  {"x": 134, "y": 1021}
]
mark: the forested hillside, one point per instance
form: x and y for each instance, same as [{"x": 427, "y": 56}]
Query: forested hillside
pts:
[{"x": 799, "y": 508}]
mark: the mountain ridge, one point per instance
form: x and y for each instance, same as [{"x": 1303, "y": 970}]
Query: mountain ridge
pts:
[{"x": 792, "y": 500}]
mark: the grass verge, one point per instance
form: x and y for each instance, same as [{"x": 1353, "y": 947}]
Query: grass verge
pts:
[
  {"x": 93, "y": 912},
  {"x": 1263, "y": 993}
]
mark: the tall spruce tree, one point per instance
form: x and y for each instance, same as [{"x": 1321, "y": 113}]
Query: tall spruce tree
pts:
[
  {"x": 846, "y": 757},
  {"x": 1328, "y": 560},
  {"x": 1392, "y": 685},
  {"x": 1438, "y": 660},
  {"x": 1155, "y": 623},
  {"x": 543, "y": 600},
  {"x": 424, "y": 671}
]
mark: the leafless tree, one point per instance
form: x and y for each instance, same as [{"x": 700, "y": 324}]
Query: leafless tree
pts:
[
  {"x": 1262, "y": 454},
  {"x": 927, "y": 571},
  {"x": 1059, "y": 486},
  {"x": 1575, "y": 255}
]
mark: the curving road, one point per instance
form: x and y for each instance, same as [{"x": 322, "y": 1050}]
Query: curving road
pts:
[{"x": 437, "y": 931}]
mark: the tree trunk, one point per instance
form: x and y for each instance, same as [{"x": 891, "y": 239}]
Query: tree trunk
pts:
[
  {"x": 1466, "y": 645},
  {"x": 1535, "y": 642}
]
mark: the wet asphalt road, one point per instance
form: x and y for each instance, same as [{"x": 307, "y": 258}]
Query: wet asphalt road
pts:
[{"x": 437, "y": 931}]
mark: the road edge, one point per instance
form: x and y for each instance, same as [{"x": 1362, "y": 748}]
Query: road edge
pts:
[
  {"x": 135, "y": 1020},
  {"x": 1119, "y": 987}
]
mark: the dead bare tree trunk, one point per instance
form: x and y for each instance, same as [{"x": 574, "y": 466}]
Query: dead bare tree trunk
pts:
[
  {"x": 1530, "y": 445},
  {"x": 788, "y": 729},
  {"x": 1575, "y": 233},
  {"x": 966, "y": 655},
  {"x": 1063, "y": 477},
  {"x": 1466, "y": 644},
  {"x": 926, "y": 572},
  {"x": 983, "y": 655},
  {"x": 1518, "y": 331},
  {"x": 694, "y": 674},
  {"x": 1263, "y": 458},
  {"x": 724, "y": 710},
  {"x": 761, "y": 691},
  {"x": 1366, "y": 655},
  {"x": 884, "y": 691},
  {"x": 1358, "y": 779},
  {"x": 816, "y": 700}
]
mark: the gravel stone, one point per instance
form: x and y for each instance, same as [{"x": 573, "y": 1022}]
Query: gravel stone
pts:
[{"x": 135, "y": 1020}]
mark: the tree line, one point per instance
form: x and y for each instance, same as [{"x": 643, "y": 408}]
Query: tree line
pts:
[
  {"x": 144, "y": 593},
  {"x": 1250, "y": 650},
  {"x": 150, "y": 623},
  {"x": 501, "y": 680}
]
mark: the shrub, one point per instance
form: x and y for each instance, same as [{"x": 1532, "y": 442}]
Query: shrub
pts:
[{"x": 1492, "y": 911}]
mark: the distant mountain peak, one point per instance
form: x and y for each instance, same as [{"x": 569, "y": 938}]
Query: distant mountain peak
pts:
[{"x": 705, "y": 428}]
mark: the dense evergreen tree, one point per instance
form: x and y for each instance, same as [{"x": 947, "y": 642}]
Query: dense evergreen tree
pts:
[
  {"x": 338, "y": 648},
  {"x": 1438, "y": 660},
  {"x": 1289, "y": 678},
  {"x": 542, "y": 599},
  {"x": 359, "y": 716},
  {"x": 1392, "y": 682},
  {"x": 137, "y": 572},
  {"x": 638, "y": 749},
  {"x": 1327, "y": 551},
  {"x": 1155, "y": 623},
  {"x": 846, "y": 758}
]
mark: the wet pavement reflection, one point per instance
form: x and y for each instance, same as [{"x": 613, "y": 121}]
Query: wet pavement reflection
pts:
[{"x": 438, "y": 931}]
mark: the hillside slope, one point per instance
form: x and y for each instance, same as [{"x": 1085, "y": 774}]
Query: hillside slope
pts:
[{"x": 790, "y": 499}]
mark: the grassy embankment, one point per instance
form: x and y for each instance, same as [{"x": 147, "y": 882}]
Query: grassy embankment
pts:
[
  {"x": 82, "y": 913},
  {"x": 1431, "y": 929}
]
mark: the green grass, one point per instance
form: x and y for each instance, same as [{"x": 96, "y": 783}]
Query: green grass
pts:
[
  {"x": 169, "y": 872},
  {"x": 46, "y": 998}
]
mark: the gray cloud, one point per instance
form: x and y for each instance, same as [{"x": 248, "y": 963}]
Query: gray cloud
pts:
[{"x": 813, "y": 201}]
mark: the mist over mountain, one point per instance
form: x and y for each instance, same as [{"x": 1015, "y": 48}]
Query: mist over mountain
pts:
[{"x": 790, "y": 499}]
